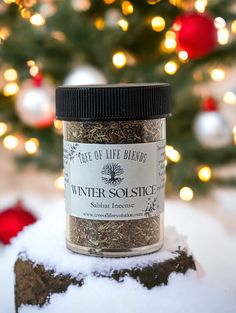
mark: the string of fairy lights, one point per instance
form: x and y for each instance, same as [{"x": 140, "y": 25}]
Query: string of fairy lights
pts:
[{"x": 120, "y": 59}]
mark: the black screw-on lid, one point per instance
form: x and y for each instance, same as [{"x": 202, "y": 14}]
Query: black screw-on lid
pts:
[{"x": 113, "y": 102}]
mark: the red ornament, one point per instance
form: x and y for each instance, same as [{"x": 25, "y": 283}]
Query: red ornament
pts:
[
  {"x": 196, "y": 34},
  {"x": 209, "y": 105},
  {"x": 13, "y": 220},
  {"x": 38, "y": 79}
]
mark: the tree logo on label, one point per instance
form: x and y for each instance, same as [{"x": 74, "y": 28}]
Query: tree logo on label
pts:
[{"x": 112, "y": 173}]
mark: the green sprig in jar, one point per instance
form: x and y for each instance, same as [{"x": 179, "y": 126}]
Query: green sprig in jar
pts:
[{"x": 114, "y": 167}]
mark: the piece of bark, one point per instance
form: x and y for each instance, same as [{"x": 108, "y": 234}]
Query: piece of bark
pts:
[{"x": 35, "y": 283}]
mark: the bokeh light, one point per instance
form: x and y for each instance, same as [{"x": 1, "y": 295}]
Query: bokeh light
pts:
[{"x": 186, "y": 194}]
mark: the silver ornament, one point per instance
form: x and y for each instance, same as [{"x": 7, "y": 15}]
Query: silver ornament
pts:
[
  {"x": 35, "y": 104},
  {"x": 212, "y": 130},
  {"x": 85, "y": 75}
]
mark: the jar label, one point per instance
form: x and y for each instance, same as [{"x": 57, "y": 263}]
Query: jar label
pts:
[{"x": 114, "y": 181}]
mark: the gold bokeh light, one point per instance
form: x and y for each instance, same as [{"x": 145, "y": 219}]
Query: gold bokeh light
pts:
[
  {"x": 186, "y": 194},
  {"x": 119, "y": 59},
  {"x": 158, "y": 23},
  {"x": 204, "y": 173}
]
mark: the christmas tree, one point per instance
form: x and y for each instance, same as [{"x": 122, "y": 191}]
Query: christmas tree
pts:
[{"x": 185, "y": 43}]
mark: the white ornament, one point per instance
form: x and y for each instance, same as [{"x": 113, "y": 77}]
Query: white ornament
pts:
[
  {"x": 81, "y": 5},
  {"x": 47, "y": 9},
  {"x": 112, "y": 17},
  {"x": 3, "y": 7},
  {"x": 85, "y": 75},
  {"x": 35, "y": 104},
  {"x": 212, "y": 130}
]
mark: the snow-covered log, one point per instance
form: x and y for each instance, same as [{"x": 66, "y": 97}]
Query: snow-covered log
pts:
[{"x": 45, "y": 268}]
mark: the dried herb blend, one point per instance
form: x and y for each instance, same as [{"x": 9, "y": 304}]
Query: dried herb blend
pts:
[{"x": 114, "y": 167}]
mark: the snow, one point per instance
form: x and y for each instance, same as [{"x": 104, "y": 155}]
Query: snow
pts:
[
  {"x": 67, "y": 262},
  {"x": 182, "y": 295},
  {"x": 209, "y": 238}
]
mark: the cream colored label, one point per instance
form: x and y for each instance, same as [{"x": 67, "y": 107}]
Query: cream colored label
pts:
[{"x": 114, "y": 182}]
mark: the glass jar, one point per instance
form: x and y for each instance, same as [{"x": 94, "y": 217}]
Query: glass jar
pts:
[{"x": 114, "y": 167}]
